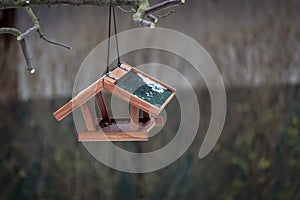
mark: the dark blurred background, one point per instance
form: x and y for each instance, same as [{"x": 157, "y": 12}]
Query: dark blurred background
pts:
[{"x": 256, "y": 46}]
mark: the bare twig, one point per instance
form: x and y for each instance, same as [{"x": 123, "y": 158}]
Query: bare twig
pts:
[
  {"x": 27, "y": 57},
  {"x": 36, "y": 24},
  {"x": 55, "y": 43},
  {"x": 21, "y": 36},
  {"x": 131, "y": 10},
  {"x": 144, "y": 10},
  {"x": 166, "y": 14},
  {"x": 144, "y": 23},
  {"x": 152, "y": 18},
  {"x": 17, "y": 33},
  {"x": 26, "y": 33},
  {"x": 163, "y": 5},
  {"x": 166, "y": 8}
]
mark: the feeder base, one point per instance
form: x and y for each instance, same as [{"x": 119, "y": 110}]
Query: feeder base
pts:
[{"x": 120, "y": 130}]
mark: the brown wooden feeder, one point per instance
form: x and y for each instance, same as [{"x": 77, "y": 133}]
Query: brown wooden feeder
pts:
[{"x": 118, "y": 83}]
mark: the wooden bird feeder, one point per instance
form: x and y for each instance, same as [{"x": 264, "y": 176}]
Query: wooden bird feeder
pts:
[{"x": 140, "y": 90}]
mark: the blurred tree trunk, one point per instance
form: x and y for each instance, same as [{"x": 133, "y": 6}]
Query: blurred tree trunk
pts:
[{"x": 8, "y": 59}]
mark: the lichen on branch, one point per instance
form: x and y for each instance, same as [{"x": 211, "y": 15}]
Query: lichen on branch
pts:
[{"x": 19, "y": 3}]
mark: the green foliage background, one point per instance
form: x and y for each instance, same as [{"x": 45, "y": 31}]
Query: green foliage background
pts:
[{"x": 257, "y": 156}]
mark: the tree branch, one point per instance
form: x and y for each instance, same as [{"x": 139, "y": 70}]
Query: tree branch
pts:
[
  {"x": 21, "y": 36},
  {"x": 163, "y": 5},
  {"x": 26, "y": 56},
  {"x": 4, "y": 4},
  {"x": 144, "y": 23},
  {"x": 26, "y": 33},
  {"x": 152, "y": 18},
  {"x": 141, "y": 9},
  {"x": 12, "y": 31},
  {"x": 144, "y": 9},
  {"x": 23, "y": 45},
  {"x": 166, "y": 14},
  {"x": 36, "y": 24}
]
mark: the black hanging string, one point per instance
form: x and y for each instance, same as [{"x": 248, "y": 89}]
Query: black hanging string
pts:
[
  {"x": 109, "y": 33},
  {"x": 116, "y": 36},
  {"x": 108, "y": 45}
]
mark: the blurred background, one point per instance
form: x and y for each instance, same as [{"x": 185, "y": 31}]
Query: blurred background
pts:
[{"x": 256, "y": 46}]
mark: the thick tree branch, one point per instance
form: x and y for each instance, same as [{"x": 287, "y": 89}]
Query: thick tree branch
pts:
[
  {"x": 142, "y": 8},
  {"x": 4, "y": 4}
]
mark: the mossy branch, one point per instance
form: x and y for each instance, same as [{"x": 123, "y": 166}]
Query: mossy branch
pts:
[
  {"x": 12, "y": 31},
  {"x": 144, "y": 10},
  {"x": 5, "y": 4}
]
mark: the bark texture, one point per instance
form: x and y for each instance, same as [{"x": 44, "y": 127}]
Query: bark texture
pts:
[
  {"x": 8, "y": 60},
  {"x": 19, "y": 3}
]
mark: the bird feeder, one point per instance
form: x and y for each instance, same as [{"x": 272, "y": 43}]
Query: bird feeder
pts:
[{"x": 131, "y": 85}]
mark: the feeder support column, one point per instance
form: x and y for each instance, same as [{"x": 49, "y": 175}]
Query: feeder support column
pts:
[{"x": 134, "y": 118}]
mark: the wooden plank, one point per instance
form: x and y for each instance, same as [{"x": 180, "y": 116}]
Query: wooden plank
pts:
[
  {"x": 159, "y": 121},
  {"x": 149, "y": 126},
  {"x": 134, "y": 118},
  {"x": 142, "y": 135},
  {"x": 88, "y": 117},
  {"x": 128, "y": 67},
  {"x": 102, "y": 106},
  {"x": 79, "y": 99},
  {"x": 117, "y": 73},
  {"x": 112, "y": 136},
  {"x": 166, "y": 102}
]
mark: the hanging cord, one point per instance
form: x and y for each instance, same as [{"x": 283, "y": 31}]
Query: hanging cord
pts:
[
  {"x": 111, "y": 8},
  {"x": 116, "y": 36},
  {"x": 108, "y": 45}
]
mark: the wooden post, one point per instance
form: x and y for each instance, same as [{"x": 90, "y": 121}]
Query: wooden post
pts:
[
  {"x": 134, "y": 118},
  {"x": 102, "y": 106},
  {"x": 146, "y": 116},
  {"x": 88, "y": 117}
]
